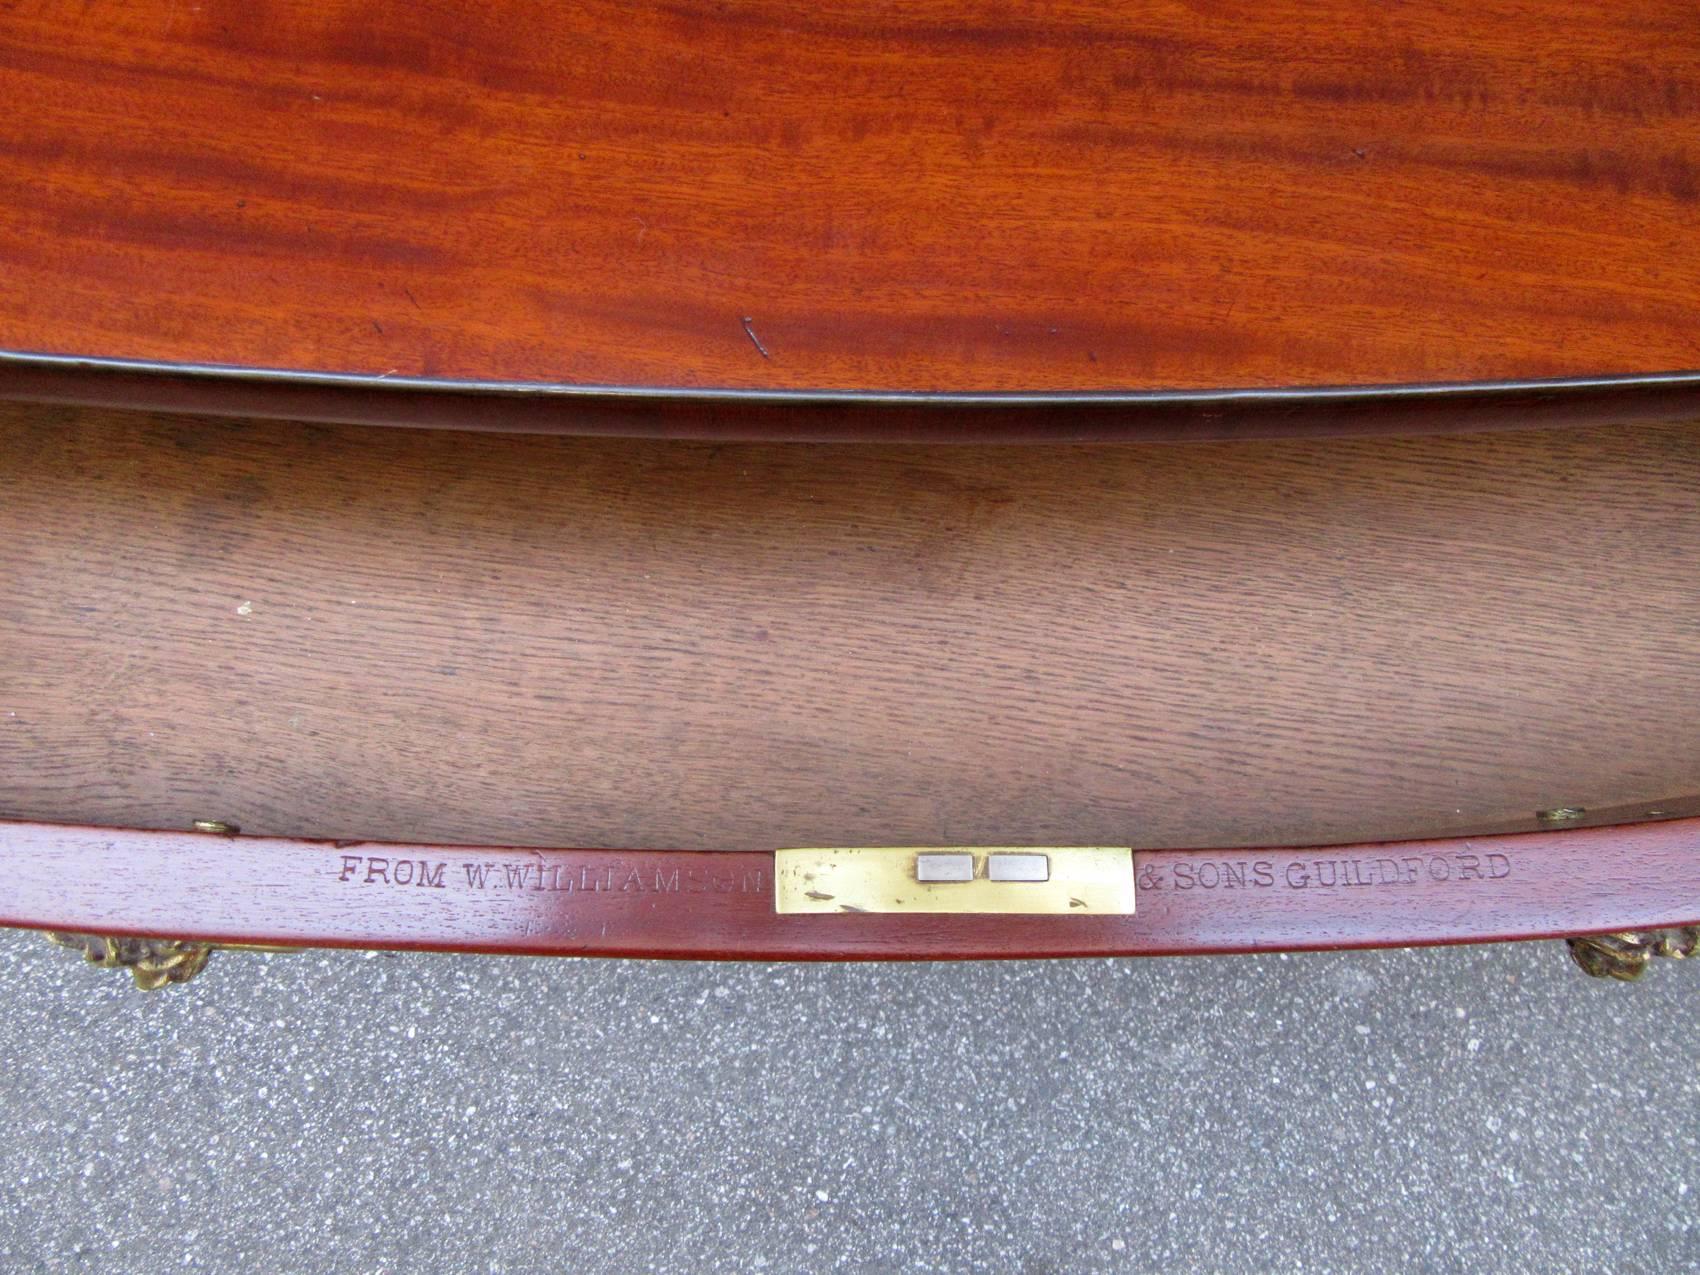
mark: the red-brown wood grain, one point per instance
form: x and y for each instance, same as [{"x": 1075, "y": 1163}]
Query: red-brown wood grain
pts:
[
  {"x": 720, "y": 905},
  {"x": 939, "y": 196}
]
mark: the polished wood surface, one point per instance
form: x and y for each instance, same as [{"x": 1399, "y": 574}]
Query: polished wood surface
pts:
[
  {"x": 941, "y": 197},
  {"x": 672, "y": 904},
  {"x": 423, "y": 636}
]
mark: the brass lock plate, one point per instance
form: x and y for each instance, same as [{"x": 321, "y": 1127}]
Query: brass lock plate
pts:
[{"x": 1012, "y": 880}]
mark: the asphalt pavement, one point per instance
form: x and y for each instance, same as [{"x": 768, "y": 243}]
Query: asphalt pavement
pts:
[{"x": 1476, "y": 1109}]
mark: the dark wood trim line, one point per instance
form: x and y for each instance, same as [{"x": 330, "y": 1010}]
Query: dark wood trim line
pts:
[{"x": 820, "y": 416}]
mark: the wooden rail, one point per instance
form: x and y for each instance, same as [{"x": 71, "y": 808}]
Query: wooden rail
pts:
[{"x": 713, "y": 905}]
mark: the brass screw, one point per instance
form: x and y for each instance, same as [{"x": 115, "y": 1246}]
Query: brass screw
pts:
[
  {"x": 1560, "y": 814},
  {"x": 218, "y": 827}
]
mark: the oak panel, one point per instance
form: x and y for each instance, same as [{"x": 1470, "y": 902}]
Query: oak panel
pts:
[{"x": 430, "y": 636}]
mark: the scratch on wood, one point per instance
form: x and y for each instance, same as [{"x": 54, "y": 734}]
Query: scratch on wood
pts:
[{"x": 754, "y": 339}]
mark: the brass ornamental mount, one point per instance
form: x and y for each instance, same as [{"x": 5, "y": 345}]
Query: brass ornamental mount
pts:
[
  {"x": 1626, "y": 955},
  {"x": 154, "y": 963}
]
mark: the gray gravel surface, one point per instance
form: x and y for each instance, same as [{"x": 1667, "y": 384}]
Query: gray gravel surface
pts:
[{"x": 1474, "y": 1110}]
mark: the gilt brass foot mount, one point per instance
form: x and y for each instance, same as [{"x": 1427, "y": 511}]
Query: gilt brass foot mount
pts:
[
  {"x": 1626, "y": 955},
  {"x": 153, "y": 963}
]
